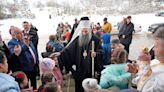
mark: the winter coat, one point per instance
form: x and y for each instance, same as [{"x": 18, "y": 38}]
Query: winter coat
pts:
[
  {"x": 23, "y": 62},
  {"x": 126, "y": 33},
  {"x": 107, "y": 27},
  {"x": 56, "y": 45},
  {"x": 114, "y": 75},
  {"x": 8, "y": 83},
  {"x": 35, "y": 38},
  {"x": 107, "y": 48},
  {"x": 48, "y": 64}
]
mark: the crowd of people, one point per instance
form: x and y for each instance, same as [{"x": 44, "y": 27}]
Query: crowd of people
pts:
[{"x": 96, "y": 63}]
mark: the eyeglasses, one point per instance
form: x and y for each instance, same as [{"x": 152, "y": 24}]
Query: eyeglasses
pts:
[{"x": 18, "y": 33}]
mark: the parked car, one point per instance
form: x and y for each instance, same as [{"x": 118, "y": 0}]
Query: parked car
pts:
[
  {"x": 160, "y": 14},
  {"x": 152, "y": 28}
]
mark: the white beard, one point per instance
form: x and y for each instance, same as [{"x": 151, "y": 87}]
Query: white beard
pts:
[{"x": 84, "y": 40}]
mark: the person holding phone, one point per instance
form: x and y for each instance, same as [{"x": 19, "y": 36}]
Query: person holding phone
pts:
[{"x": 24, "y": 56}]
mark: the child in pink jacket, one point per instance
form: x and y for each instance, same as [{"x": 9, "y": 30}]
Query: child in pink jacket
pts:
[{"x": 51, "y": 64}]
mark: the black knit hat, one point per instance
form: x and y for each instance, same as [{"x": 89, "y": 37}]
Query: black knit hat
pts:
[
  {"x": 84, "y": 18},
  {"x": 105, "y": 19}
]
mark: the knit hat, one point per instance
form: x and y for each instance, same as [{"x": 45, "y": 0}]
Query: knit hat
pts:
[
  {"x": 47, "y": 64},
  {"x": 90, "y": 85},
  {"x": 105, "y": 19}
]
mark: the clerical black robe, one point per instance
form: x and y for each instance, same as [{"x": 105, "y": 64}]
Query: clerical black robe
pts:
[{"x": 73, "y": 55}]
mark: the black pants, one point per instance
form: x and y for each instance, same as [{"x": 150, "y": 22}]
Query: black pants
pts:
[
  {"x": 78, "y": 85},
  {"x": 78, "y": 82},
  {"x": 126, "y": 47},
  {"x": 31, "y": 75}
]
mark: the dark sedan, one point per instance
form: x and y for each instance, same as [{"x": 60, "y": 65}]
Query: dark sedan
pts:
[{"x": 152, "y": 28}]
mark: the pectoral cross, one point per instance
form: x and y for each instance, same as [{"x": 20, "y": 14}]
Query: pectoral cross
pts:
[{"x": 85, "y": 54}]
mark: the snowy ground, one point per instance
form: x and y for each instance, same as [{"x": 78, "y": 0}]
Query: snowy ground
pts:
[{"x": 48, "y": 26}]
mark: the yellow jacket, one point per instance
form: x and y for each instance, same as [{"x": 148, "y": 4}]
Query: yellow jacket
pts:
[{"x": 107, "y": 27}]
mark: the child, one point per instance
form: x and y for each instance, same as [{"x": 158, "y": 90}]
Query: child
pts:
[
  {"x": 114, "y": 74},
  {"x": 52, "y": 87},
  {"x": 51, "y": 65},
  {"x": 57, "y": 69},
  {"x": 22, "y": 80},
  {"x": 115, "y": 43},
  {"x": 143, "y": 65},
  {"x": 45, "y": 78},
  {"x": 107, "y": 48}
]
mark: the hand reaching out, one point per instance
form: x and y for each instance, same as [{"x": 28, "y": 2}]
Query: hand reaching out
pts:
[
  {"x": 17, "y": 50},
  {"x": 131, "y": 67}
]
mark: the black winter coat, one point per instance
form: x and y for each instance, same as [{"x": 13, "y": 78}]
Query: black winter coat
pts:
[{"x": 126, "y": 33}]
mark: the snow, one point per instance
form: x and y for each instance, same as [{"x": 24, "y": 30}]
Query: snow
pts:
[{"x": 48, "y": 26}]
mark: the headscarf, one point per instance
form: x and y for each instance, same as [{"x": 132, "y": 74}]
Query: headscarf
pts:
[{"x": 47, "y": 64}]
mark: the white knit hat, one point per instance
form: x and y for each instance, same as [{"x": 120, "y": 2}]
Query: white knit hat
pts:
[{"x": 90, "y": 85}]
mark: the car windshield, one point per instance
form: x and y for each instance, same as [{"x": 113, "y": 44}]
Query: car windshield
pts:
[{"x": 161, "y": 12}]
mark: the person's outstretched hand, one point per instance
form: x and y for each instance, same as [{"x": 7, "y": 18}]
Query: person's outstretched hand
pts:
[
  {"x": 56, "y": 54},
  {"x": 132, "y": 68},
  {"x": 17, "y": 50}
]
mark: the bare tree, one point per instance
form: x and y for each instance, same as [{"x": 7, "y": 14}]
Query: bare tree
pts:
[{"x": 52, "y": 3}]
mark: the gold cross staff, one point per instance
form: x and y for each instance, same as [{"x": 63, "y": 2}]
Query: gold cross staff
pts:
[{"x": 93, "y": 47}]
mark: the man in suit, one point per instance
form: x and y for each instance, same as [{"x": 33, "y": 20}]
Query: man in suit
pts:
[
  {"x": 31, "y": 30},
  {"x": 14, "y": 46},
  {"x": 24, "y": 55}
]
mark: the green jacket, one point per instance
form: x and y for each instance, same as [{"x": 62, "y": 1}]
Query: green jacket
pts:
[{"x": 114, "y": 75}]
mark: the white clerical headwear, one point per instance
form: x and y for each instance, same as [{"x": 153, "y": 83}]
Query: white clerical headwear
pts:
[{"x": 84, "y": 23}]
